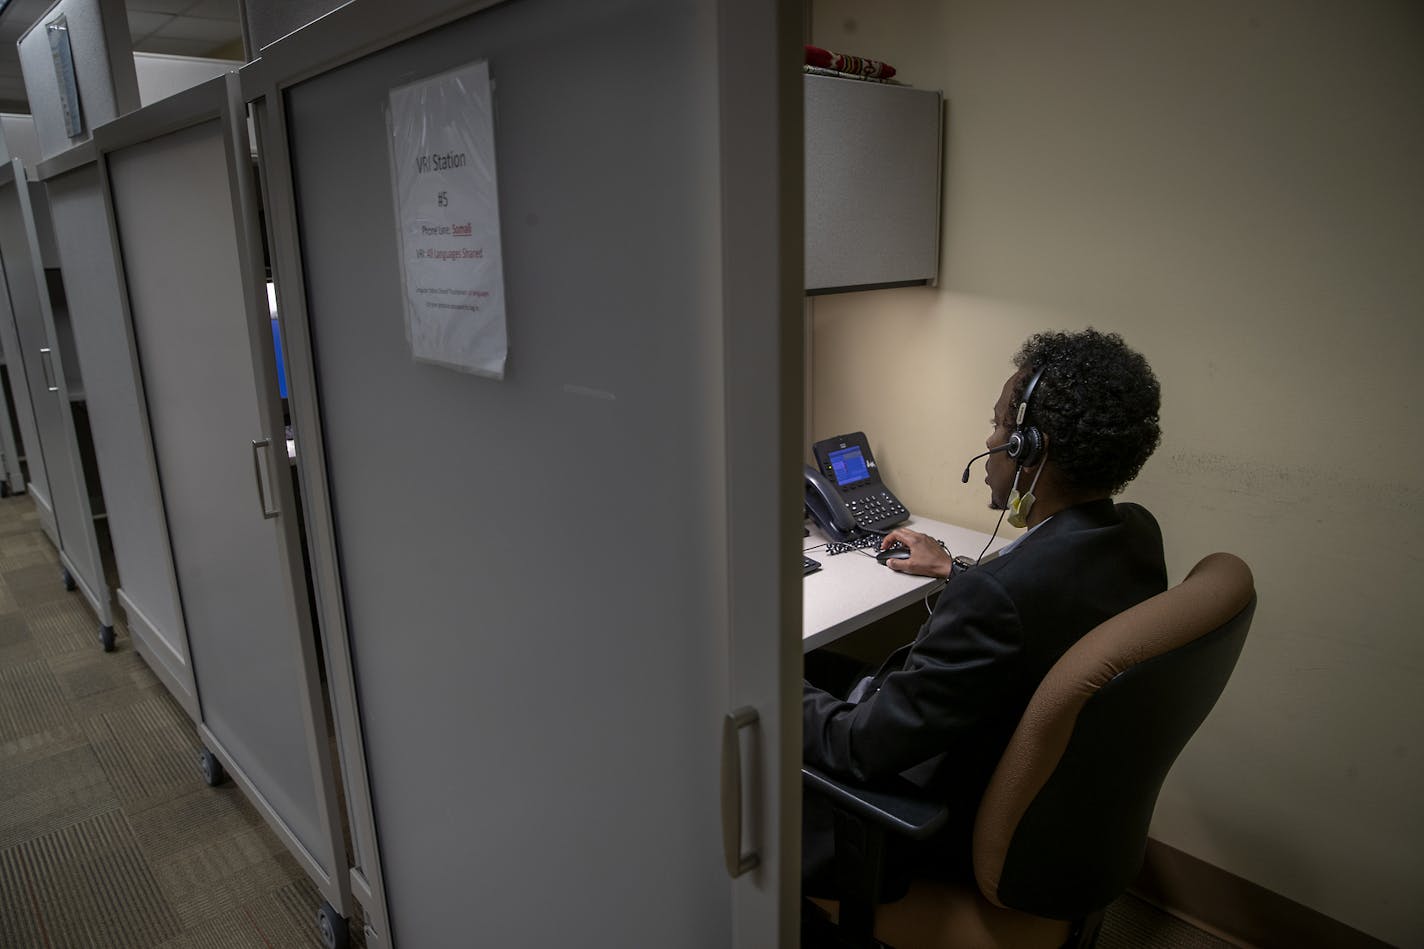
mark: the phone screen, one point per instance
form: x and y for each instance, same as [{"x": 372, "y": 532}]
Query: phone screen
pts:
[{"x": 848, "y": 464}]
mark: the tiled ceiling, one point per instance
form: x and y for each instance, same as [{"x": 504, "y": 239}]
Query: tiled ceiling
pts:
[
  {"x": 207, "y": 28},
  {"x": 203, "y": 28}
]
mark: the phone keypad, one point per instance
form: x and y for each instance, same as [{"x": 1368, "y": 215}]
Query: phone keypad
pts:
[{"x": 877, "y": 511}]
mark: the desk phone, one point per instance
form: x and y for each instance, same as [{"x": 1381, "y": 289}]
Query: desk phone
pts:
[{"x": 844, "y": 492}]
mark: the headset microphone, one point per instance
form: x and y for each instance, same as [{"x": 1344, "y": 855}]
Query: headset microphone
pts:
[
  {"x": 1026, "y": 443},
  {"x": 992, "y": 451}
]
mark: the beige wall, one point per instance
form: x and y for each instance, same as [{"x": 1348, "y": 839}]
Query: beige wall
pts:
[{"x": 1237, "y": 188}]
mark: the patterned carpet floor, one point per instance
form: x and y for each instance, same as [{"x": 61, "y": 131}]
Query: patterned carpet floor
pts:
[{"x": 109, "y": 837}]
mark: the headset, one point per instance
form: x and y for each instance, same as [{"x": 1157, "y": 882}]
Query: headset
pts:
[
  {"x": 1025, "y": 445},
  {"x": 1026, "y": 441}
]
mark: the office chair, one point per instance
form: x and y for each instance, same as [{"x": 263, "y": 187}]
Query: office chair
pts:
[{"x": 1062, "y": 828}]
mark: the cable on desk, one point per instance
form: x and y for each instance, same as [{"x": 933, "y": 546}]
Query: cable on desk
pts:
[{"x": 870, "y": 539}]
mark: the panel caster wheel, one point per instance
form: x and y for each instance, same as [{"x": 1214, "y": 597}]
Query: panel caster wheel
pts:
[
  {"x": 213, "y": 772},
  {"x": 4, "y": 489},
  {"x": 333, "y": 927},
  {"x": 69, "y": 583},
  {"x": 106, "y": 638}
]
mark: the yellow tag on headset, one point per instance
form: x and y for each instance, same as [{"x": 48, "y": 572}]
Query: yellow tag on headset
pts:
[{"x": 1019, "y": 506}]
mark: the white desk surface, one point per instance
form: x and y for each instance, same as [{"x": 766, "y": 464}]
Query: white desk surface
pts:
[{"x": 852, "y": 589}]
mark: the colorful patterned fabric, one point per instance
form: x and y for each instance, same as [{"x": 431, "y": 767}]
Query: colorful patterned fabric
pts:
[{"x": 855, "y": 65}]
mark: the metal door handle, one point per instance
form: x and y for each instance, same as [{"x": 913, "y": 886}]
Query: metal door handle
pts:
[
  {"x": 737, "y": 862},
  {"x": 47, "y": 367},
  {"x": 257, "y": 445}
]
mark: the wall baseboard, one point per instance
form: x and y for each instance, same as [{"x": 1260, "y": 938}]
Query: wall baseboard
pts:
[{"x": 1236, "y": 909}]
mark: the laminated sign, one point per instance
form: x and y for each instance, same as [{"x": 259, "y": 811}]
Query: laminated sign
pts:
[{"x": 447, "y": 208}]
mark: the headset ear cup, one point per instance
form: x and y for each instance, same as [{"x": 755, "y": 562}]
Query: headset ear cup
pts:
[{"x": 1031, "y": 440}]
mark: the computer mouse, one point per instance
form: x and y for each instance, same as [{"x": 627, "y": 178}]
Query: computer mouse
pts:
[{"x": 897, "y": 552}]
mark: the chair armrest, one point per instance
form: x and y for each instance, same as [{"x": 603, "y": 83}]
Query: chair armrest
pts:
[{"x": 894, "y": 803}]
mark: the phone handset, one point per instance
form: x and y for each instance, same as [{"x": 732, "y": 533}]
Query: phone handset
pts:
[{"x": 828, "y": 509}]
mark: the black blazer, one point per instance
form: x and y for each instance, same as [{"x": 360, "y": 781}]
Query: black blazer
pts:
[{"x": 945, "y": 706}]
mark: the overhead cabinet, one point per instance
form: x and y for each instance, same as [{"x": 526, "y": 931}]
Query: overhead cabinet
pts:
[{"x": 873, "y": 161}]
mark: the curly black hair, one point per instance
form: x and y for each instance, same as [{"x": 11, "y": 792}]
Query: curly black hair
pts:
[{"x": 1097, "y": 402}]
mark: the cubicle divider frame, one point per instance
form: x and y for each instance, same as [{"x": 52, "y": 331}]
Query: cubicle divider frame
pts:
[
  {"x": 122, "y": 438},
  {"x": 20, "y": 389},
  {"x": 12, "y": 176},
  {"x": 13, "y": 474},
  {"x": 761, "y": 184},
  {"x": 306, "y": 53},
  {"x": 365, "y": 870},
  {"x": 219, "y": 99},
  {"x": 66, "y": 510}
]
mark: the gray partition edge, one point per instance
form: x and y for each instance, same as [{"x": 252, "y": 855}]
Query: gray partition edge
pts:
[
  {"x": 19, "y": 395},
  {"x": 342, "y": 36},
  {"x": 220, "y": 98},
  {"x": 346, "y": 34},
  {"x": 13, "y": 475},
  {"x": 70, "y": 160},
  {"x": 84, "y": 564},
  {"x": 173, "y": 669},
  {"x": 365, "y": 875},
  {"x": 20, "y": 390}
]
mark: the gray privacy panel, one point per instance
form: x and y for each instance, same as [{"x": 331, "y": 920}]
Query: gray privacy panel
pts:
[
  {"x": 44, "y": 231},
  {"x": 121, "y": 444},
  {"x": 64, "y": 338},
  {"x": 872, "y": 183},
  {"x": 22, "y": 206},
  {"x": 20, "y": 139},
  {"x": 29, "y": 324},
  {"x": 190, "y": 331},
  {"x": 23, "y": 335},
  {"x": 162, "y": 76},
  {"x": 13, "y": 473},
  {"x": 103, "y": 65},
  {"x": 533, "y": 614},
  {"x": 26, "y": 431}
]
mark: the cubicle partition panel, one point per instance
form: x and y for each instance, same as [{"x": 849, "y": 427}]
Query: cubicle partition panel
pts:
[
  {"x": 62, "y": 494},
  {"x": 17, "y": 368},
  {"x": 17, "y": 390},
  {"x": 17, "y": 422},
  {"x": 12, "y": 472},
  {"x": 82, "y": 75},
  {"x": 180, "y": 182},
  {"x": 123, "y": 445},
  {"x": 554, "y": 589}
]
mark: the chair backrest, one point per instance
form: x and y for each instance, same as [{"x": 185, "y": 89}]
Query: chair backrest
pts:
[{"x": 1062, "y": 827}]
